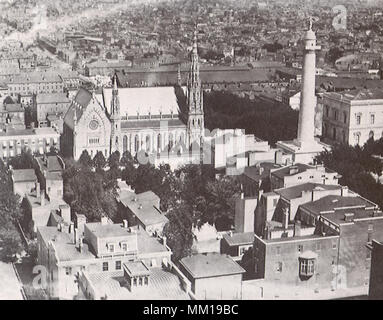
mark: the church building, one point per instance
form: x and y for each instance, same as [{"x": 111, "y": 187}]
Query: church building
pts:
[{"x": 133, "y": 119}]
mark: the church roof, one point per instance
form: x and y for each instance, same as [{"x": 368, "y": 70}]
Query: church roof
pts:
[
  {"x": 145, "y": 100},
  {"x": 80, "y": 103}
]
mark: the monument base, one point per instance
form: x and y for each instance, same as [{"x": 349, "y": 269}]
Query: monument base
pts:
[{"x": 302, "y": 153}]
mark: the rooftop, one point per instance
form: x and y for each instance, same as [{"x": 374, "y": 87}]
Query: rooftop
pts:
[
  {"x": 63, "y": 242},
  {"x": 144, "y": 101},
  {"x": 163, "y": 285},
  {"x": 24, "y": 175},
  {"x": 296, "y": 191},
  {"x": 239, "y": 238},
  {"x": 143, "y": 206},
  {"x": 335, "y": 207},
  {"x": 52, "y": 98},
  {"x": 211, "y": 265},
  {"x": 254, "y": 171},
  {"x": 136, "y": 268}
]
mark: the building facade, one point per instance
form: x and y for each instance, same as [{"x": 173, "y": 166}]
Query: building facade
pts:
[{"x": 353, "y": 117}]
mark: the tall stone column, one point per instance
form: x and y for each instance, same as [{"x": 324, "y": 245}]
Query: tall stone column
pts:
[{"x": 306, "y": 125}]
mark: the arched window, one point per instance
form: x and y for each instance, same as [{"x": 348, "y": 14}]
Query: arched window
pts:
[
  {"x": 159, "y": 142},
  {"x": 357, "y": 138},
  {"x": 171, "y": 140},
  {"x": 371, "y": 135},
  {"x": 136, "y": 143},
  {"x": 148, "y": 143},
  {"x": 125, "y": 144}
]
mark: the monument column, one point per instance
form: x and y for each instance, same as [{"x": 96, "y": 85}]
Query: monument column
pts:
[{"x": 306, "y": 125}]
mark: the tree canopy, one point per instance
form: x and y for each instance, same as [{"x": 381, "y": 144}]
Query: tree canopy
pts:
[{"x": 10, "y": 213}]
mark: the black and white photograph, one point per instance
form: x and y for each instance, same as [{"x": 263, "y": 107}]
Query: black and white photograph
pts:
[{"x": 191, "y": 155}]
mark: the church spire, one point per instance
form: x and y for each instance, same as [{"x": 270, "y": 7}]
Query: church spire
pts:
[
  {"x": 115, "y": 119},
  {"x": 195, "y": 97}
]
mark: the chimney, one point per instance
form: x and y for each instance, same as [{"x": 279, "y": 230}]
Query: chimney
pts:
[
  {"x": 42, "y": 198},
  {"x": 344, "y": 191},
  {"x": 285, "y": 218},
  {"x": 349, "y": 217},
  {"x": 75, "y": 234},
  {"x": 65, "y": 213},
  {"x": 59, "y": 227},
  {"x": 242, "y": 196},
  {"x": 125, "y": 224},
  {"x": 81, "y": 244},
  {"x": 164, "y": 241},
  {"x": 104, "y": 220},
  {"x": 297, "y": 229},
  {"x": 37, "y": 189}
]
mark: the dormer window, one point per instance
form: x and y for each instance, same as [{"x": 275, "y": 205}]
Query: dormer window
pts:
[
  {"x": 111, "y": 247},
  {"x": 124, "y": 246}
]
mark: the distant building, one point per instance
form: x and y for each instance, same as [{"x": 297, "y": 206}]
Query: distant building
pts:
[
  {"x": 213, "y": 276},
  {"x": 24, "y": 181},
  {"x": 353, "y": 117},
  {"x": 12, "y": 116},
  {"x": 106, "y": 68},
  {"x": 49, "y": 171},
  {"x": 97, "y": 256},
  {"x": 50, "y": 104},
  {"x": 324, "y": 249},
  {"x": 142, "y": 210},
  {"x": 236, "y": 244},
  {"x": 301, "y": 173},
  {"x": 39, "y": 140},
  {"x": 376, "y": 276}
]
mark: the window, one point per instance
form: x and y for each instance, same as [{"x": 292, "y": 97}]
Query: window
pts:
[
  {"x": 278, "y": 267},
  {"x": 345, "y": 117},
  {"x": 146, "y": 281},
  {"x": 306, "y": 267},
  {"x": 118, "y": 265},
  {"x": 336, "y": 114},
  {"x": 300, "y": 248},
  {"x": 358, "y": 118},
  {"x": 371, "y": 135},
  {"x": 135, "y": 281},
  {"x": 318, "y": 246},
  {"x": 278, "y": 251},
  {"x": 372, "y": 118},
  {"x": 327, "y": 111},
  {"x": 68, "y": 271},
  {"x": 334, "y": 246},
  {"x": 105, "y": 266},
  {"x": 140, "y": 281},
  {"x": 111, "y": 247},
  {"x": 124, "y": 247}
]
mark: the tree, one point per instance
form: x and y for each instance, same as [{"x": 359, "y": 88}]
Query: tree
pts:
[
  {"x": 23, "y": 160},
  {"x": 129, "y": 173},
  {"x": 85, "y": 159},
  {"x": 114, "y": 160},
  {"x": 221, "y": 195},
  {"x": 178, "y": 232},
  {"x": 99, "y": 161},
  {"x": 10, "y": 213}
]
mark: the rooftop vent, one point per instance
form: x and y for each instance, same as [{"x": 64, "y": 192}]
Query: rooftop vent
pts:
[{"x": 348, "y": 217}]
